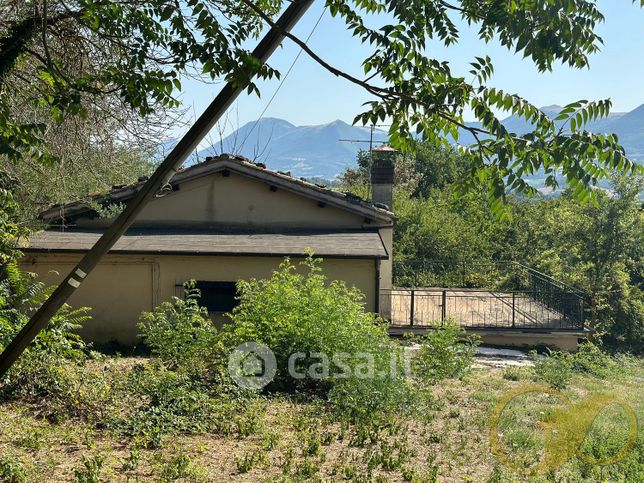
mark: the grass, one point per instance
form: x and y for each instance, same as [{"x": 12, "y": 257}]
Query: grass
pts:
[{"x": 283, "y": 438}]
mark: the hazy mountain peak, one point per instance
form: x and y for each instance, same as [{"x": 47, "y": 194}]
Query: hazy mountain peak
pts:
[
  {"x": 326, "y": 150},
  {"x": 271, "y": 121},
  {"x": 337, "y": 122},
  {"x": 311, "y": 151},
  {"x": 637, "y": 112},
  {"x": 552, "y": 108}
]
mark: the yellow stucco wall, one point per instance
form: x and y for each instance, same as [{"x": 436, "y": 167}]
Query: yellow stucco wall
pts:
[
  {"x": 242, "y": 201},
  {"x": 386, "y": 267},
  {"x": 123, "y": 286}
]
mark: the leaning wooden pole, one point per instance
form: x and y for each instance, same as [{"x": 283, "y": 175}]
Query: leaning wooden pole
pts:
[{"x": 161, "y": 176}]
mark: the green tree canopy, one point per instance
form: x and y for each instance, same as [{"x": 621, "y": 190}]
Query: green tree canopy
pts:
[{"x": 63, "y": 54}]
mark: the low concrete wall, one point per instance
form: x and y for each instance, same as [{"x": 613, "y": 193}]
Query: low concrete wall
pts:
[
  {"x": 562, "y": 340},
  {"x": 567, "y": 341}
]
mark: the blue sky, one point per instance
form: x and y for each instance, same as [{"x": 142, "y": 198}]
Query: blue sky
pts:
[{"x": 311, "y": 95}]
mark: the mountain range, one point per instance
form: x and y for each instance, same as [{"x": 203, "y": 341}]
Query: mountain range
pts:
[
  {"x": 629, "y": 127},
  {"x": 326, "y": 150},
  {"x": 322, "y": 151}
]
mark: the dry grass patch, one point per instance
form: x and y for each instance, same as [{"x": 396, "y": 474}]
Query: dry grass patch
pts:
[{"x": 285, "y": 438}]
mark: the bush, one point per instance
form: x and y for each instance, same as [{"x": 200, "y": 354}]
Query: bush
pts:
[
  {"x": 11, "y": 469},
  {"x": 359, "y": 399},
  {"x": 558, "y": 368},
  {"x": 180, "y": 332},
  {"x": 156, "y": 402},
  {"x": 590, "y": 359},
  {"x": 446, "y": 351},
  {"x": 20, "y": 293},
  {"x": 91, "y": 471},
  {"x": 165, "y": 402},
  {"x": 299, "y": 312},
  {"x": 513, "y": 373}
]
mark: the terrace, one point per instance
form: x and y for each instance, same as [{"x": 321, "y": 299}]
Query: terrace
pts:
[{"x": 502, "y": 296}]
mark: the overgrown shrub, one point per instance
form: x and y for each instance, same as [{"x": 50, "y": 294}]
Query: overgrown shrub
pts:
[
  {"x": 557, "y": 368},
  {"x": 43, "y": 369},
  {"x": 180, "y": 333},
  {"x": 514, "y": 373},
  {"x": 11, "y": 229},
  {"x": 446, "y": 351},
  {"x": 300, "y": 312},
  {"x": 12, "y": 469},
  {"x": 91, "y": 471},
  {"x": 20, "y": 295},
  {"x": 157, "y": 402},
  {"x": 166, "y": 402},
  {"x": 590, "y": 359},
  {"x": 185, "y": 389},
  {"x": 359, "y": 399}
]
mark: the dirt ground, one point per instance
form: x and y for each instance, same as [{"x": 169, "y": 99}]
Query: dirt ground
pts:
[{"x": 300, "y": 441}]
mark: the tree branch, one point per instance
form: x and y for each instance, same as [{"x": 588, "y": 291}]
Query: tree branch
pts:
[
  {"x": 14, "y": 43},
  {"x": 381, "y": 92}
]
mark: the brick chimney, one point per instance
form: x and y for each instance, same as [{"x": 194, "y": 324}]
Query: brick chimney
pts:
[{"x": 382, "y": 175}]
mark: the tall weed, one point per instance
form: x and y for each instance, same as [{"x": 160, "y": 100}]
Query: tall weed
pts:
[
  {"x": 180, "y": 333},
  {"x": 446, "y": 351}
]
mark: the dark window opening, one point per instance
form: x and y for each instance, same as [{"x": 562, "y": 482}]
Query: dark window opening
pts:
[{"x": 218, "y": 296}]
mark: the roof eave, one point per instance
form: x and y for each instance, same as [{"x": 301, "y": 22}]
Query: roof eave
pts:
[{"x": 185, "y": 253}]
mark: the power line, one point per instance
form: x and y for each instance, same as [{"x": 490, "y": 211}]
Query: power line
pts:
[{"x": 284, "y": 78}]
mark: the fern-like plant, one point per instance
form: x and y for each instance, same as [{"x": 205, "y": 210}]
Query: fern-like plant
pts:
[
  {"x": 41, "y": 371},
  {"x": 21, "y": 293}
]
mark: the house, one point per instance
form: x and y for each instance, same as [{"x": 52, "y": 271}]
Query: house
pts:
[{"x": 217, "y": 222}]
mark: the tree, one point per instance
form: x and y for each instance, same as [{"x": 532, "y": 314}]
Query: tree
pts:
[
  {"x": 437, "y": 168},
  {"x": 421, "y": 95},
  {"x": 598, "y": 248},
  {"x": 10, "y": 231},
  {"x": 75, "y": 176},
  {"x": 71, "y": 51},
  {"x": 63, "y": 153},
  {"x": 68, "y": 56},
  {"x": 358, "y": 179}
]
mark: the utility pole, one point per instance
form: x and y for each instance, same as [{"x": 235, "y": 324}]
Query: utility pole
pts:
[{"x": 159, "y": 178}]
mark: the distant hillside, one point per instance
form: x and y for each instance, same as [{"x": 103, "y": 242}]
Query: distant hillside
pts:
[
  {"x": 318, "y": 152},
  {"x": 309, "y": 151},
  {"x": 629, "y": 127}
]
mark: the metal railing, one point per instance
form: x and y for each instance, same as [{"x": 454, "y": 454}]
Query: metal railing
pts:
[
  {"x": 480, "y": 309},
  {"x": 507, "y": 295}
]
